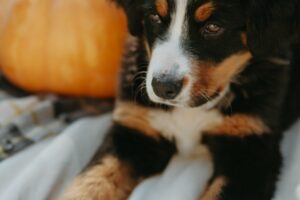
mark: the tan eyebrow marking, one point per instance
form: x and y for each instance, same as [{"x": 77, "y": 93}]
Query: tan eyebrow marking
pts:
[
  {"x": 204, "y": 12},
  {"x": 162, "y": 7}
]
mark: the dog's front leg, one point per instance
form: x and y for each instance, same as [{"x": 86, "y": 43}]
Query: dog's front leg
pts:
[
  {"x": 246, "y": 157},
  {"x": 108, "y": 180},
  {"x": 244, "y": 168},
  {"x": 126, "y": 157}
]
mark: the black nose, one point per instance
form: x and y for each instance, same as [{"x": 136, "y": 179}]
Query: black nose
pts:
[{"x": 167, "y": 88}]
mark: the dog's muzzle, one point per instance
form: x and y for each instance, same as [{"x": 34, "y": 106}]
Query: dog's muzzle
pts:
[{"x": 166, "y": 86}]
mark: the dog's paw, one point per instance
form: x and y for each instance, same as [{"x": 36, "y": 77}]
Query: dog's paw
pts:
[
  {"x": 109, "y": 180},
  {"x": 98, "y": 190}
]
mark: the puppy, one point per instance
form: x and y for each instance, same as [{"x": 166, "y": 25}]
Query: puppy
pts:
[{"x": 196, "y": 82}]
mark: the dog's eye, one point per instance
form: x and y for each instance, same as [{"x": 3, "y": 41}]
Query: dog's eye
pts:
[
  {"x": 154, "y": 19},
  {"x": 212, "y": 29}
]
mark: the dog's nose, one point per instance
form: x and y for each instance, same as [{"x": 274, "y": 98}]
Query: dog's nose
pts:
[{"x": 167, "y": 87}]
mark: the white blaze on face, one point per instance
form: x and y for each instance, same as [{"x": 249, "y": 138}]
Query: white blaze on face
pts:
[{"x": 168, "y": 55}]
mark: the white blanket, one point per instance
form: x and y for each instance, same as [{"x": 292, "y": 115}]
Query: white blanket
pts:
[{"x": 43, "y": 171}]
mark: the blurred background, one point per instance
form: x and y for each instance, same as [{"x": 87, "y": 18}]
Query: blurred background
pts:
[
  {"x": 59, "y": 61},
  {"x": 70, "y": 47}
]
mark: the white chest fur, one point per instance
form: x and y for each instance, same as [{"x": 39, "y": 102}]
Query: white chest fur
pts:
[{"x": 185, "y": 126}]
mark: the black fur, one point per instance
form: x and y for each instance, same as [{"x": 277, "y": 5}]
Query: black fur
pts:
[
  {"x": 252, "y": 164},
  {"x": 273, "y": 25},
  {"x": 147, "y": 156},
  {"x": 291, "y": 106}
]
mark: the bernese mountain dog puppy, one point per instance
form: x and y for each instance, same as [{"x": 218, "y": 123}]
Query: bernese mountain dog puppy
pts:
[{"x": 197, "y": 80}]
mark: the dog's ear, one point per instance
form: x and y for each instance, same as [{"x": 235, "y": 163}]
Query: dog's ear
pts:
[
  {"x": 272, "y": 25},
  {"x": 134, "y": 15}
]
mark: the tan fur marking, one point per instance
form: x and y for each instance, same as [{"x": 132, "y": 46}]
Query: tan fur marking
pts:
[
  {"x": 203, "y": 76},
  {"x": 244, "y": 38},
  {"x": 162, "y": 7},
  {"x": 185, "y": 81},
  {"x": 214, "y": 190},
  {"x": 230, "y": 67},
  {"x": 135, "y": 117},
  {"x": 109, "y": 180},
  {"x": 147, "y": 47},
  {"x": 239, "y": 125},
  {"x": 214, "y": 78},
  {"x": 204, "y": 12}
]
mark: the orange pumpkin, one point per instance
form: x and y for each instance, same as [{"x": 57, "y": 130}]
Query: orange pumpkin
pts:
[{"x": 71, "y": 47}]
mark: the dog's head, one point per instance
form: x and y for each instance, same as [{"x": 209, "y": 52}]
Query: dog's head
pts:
[{"x": 196, "y": 48}]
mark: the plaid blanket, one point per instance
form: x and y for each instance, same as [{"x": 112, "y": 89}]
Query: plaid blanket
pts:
[{"x": 27, "y": 118}]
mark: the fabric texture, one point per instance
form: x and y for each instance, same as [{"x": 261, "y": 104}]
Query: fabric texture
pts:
[
  {"x": 27, "y": 119},
  {"x": 43, "y": 170}
]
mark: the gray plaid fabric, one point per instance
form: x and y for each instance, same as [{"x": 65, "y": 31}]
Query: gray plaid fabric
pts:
[{"x": 26, "y": 119}]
